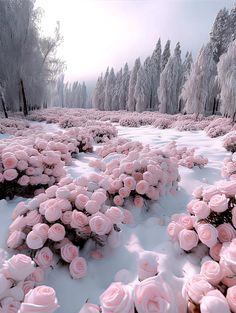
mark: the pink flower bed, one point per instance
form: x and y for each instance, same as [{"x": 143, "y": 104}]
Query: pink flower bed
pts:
[
  {"x": 19, "y": 292},
  {"x": 11, "y": 125},
  {"x": 60, "y": 222}
]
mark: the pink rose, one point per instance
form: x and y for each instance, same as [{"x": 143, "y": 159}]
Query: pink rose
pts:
[
  {"x": 115, "y": 215},
  {"x": 207, "y": 234},
  {"x": 9, "y": 162},
  {"x": 190, "y": 205},
  {"x": 174, "y": 229},
  {"x": 44, "y": 257},
  {"x": 231, "y": 298},
  {"x": 42, "y": 230},
  {"x": 53, "y": 213},
  {"x": 80, "y": 201},
  {"x": 196, "y": 288},
  {"x": 201, "y": 209},
  {"x": 40, "y": 299},
  {"x": 9, "y": 305},
  {"x": 100, "y": 224},
  {"x": 15, "y": 239},
  {"x": 117, "y": 298},
  {"x": 124, "y": 192},
  {"x": 188, "y": 239},
  {"x": 19, "y": 267},
  {"x": 90, "y": 308},
  {"x": 147, "y": 265},
  {"x": 142, "y": 187},
  {"x": 99, "y": 197},
  {"x": 228, "y": 255},
  {"x": 24, "y": 180},
  {"x": 92, "y": 206},
  {"x": 197, "y": 193},
  {"x": 154, "y": 295},
  {"x": 56, "y": 232},
  {"x": 33, "y": 217},
  {"x": 218, "y": 203},
  {"x": 130, "y": 183},
  {"x": 226, "y": 232},
  {"x": 27, "y": 286},
  {"x": 22, "y": 165},
  {"x": 20, "y": 209},
  {"x": 10, "y": 174},
  {"x": 186, "y": 221},
  {"x": 69, "y": 252},
  {"x": 138, "y": 202},
  {"x": 34, "y": 240},
  {"x": 213, "y": 302},
  {"x": 78, "y": 267},
  {"x": 209, "y": 192},
  {"x": 66, "y": 217},
  {"x": 128, "y": 217},
  {"x": 211, "y": 270},
  {"x": 37, "y": 275},
  {"x": 79, "y": 219},
  {"x": 227, "y": 187},
  {"x": 118, "y": 200},
  {"x": 215, "y": 251}
]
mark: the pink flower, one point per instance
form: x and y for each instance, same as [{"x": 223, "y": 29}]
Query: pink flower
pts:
[
  {"x": 215, "y": 251},
  {"x": 40, "y": 299},
  {"x": 138, "y": 202},
  {"x": 197, "y": 193},
  {"x": 37, "y": 275},
  {"x": 24, "y": 180},
  {"x": 211, "y": 270},
  {"x": 10, "y": 174},
  {"x": 19, "y": 267},
  {"x": 174, "y": 229},
  {"x": 9, "y": 305},
  {"x": 9, "y": 162},
  {"x": 213, "y": 302},
  {"x": 90, "y": 308},
  {"x": 227, "y": 187},
  {"x": 5, "y": 284},
  {"x": 100, "y": 224},
  {"x": 117, "y": 298},
  {"x": 209, "y": 192},
  {"x": 69, "y": 252},
  {"x": 190, "y": 205},
  {"x": 128, "y": 217},
  {"x": 124, "y": 192},
  {"x": 33, "y": 217},
  {"x": 78, "y": 267},
  {"x": 56, "y": 232},
  {"x": 18, "y": 224},
  {"x": 118, "y": 200},
  {"x": 15, "y": 239},
  {"x": 92, "y": 206},
  {"x": 79, "y": 219},
  {"x": 66, "y": 217},
  {"x": 80, "y": 201},
  {"x": 218, "y": 203},
  {"x": 201, "y": 209},
  {"x": 228, "y": 255},
  {"x": 99, "y": 197},
  {"x": 231, "y": 298},
  {"x": 154, "y": 295},
  {"x": 27, "y": 286},
  {"x": 142, "y": 187},
  {"x": 196, "y": 288},
  {"x": 34, "y": 240},
  {"x": 42, "y": 230},
  {"x": 188, "y": 239},
  {"x": 186, "y": 221},
  {"x": 226, "y": 232},
  {"x": 44, "y": 257},
  {"x": 20, "y": 209},
  {"x": 53, "y": 213},
  {"x": 207, "y": 234},
  {"x": 115, "y": 215},
  {"x": 130, "y": 183},
  {"x": 147, "y": 265},
  {"x": 22, "y": 165}
]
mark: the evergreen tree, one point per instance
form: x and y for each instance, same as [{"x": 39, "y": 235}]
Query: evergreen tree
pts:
[
  {"x": 132, "y": 82},
  {"x": 165, "y": 55},
  {"x": 155, "y": 75},
  {"x": 140, "y": 93},
  {"x": 124, "y": 90},
  {"x": 109, "y": 90}
]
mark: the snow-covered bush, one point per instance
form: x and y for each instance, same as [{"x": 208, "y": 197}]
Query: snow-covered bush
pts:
[{"x": 229, "y": 142}]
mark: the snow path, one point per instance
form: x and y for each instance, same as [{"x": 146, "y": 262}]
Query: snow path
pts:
[{"x": 147, "y": 234}]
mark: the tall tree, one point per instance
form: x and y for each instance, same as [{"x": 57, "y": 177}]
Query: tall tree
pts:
[
  {"x": 132, "y": 83},
  {"x": 109, "y": 90},
  {"x": 124, "y": 90},
  {"x": 155, "y": 74},
  {"x": 140, "y": 93},
  {"x": 165, "y": 55},
  {"x": 185, "y": 72}
]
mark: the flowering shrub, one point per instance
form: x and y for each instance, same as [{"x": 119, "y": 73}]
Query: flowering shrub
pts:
[
  {"x": 102, "y": 132},
  {"x": 130, "y": 122},
  {"x": 229, "y": 142},
  {"x": 19, "y": 276},
  {"x": 11, "y": 125},
  {"x": 229, "y": 167},
  {"x": 63, "y": 219},
  {"x": 218, "y": 127},
  {"x": 163, "y": 123}
]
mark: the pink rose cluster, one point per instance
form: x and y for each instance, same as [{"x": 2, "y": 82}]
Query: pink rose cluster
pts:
[
  {"x": 219, "y": 127},
  {"x": 119, "y": 145},
  {"x": 102, "y": 132},
  {"x": 186, "y": 157},
  {"x": 211, "y": 218},
  {"x": 214, "y": 288},
  {"x": 61, "y": 220},
  {"x": 23, "y": 169},
  {"x": 229, "y": 167},
  {"x": 18, "y": 292},
  {"x": 12, "y": 125},
  {"x": 157, "y": 294},
  {"x": 229, "y": 142},
  {"x": 147, "y": 174}
]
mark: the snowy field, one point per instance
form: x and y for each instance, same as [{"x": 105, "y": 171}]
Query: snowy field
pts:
[{"x": 149, "y": 231}]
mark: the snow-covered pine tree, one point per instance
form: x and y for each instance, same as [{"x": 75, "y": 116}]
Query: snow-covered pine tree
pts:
[
  {"x": 227, "y": 80},
  {"x": 155, "y": 74},
  {"x": 198, "y": 92},
  {"x": 115, "y": 99},
  {"x": 170, "y": 83},
  {"x": 221, "y": 34},
  {"x": 131, "y": 104},
  {"x": 165, "y": 55},
  {"x": 97, "y": 93},
  {"x": 124, "y": 90},
  {"x": 147, "y": 66},
  {"x": 140, "y": 93},
  {"x": 83, "y": 95},
  {"x": 185, "y": 71},
  {"x": 109, "y": 90}
]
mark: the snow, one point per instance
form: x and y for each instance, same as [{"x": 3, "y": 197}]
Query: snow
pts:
[{"x": 149, "y": 231}]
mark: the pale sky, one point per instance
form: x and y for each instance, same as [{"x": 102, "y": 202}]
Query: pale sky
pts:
[{"x": 101, "y": 33}]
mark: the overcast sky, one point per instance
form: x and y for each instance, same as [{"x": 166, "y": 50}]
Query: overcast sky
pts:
[{"x": 98, "y": 33}]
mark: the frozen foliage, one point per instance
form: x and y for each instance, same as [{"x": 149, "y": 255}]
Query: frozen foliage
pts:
[
  {"x": 165, "y": 55},
  {"x": 229, "y": 142},
  {"x": 131, "y": 105}
]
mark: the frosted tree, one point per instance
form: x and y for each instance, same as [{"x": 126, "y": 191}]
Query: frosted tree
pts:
[
  {"x": 116, "y": 96},
  {"x": 97, "y": 94},
  {"x": 185, "y": 72},
  {"x": 104, "y": 81},
  {"x": 155, "y": 74},
  {"x": 109, "y": 90},
  {"x": 221, "y": 34},
  {"x": 227, "y": 80},
  {"x": 232, "y": 18},
  {"x": 124, "y": 90},
  {"x": 198, "y": 92},
  {"x": 147, "y": 66},
  {"x": 83, "y": 96},
  {"x": 170, "y": 83},
  {"x": 131, "y": 104},
  {"x": 165, "y": 55},
  {"x": 140, "y": 93}
]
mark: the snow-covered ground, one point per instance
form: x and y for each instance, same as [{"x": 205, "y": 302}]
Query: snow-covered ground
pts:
[{"x": 149, "y": 231}]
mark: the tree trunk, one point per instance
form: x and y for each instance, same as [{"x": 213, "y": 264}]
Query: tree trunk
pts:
[
  {"x": 25, "y": 108},
  {"x": 4, "y": 106},
  {"x": 214, "y": 107}
]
